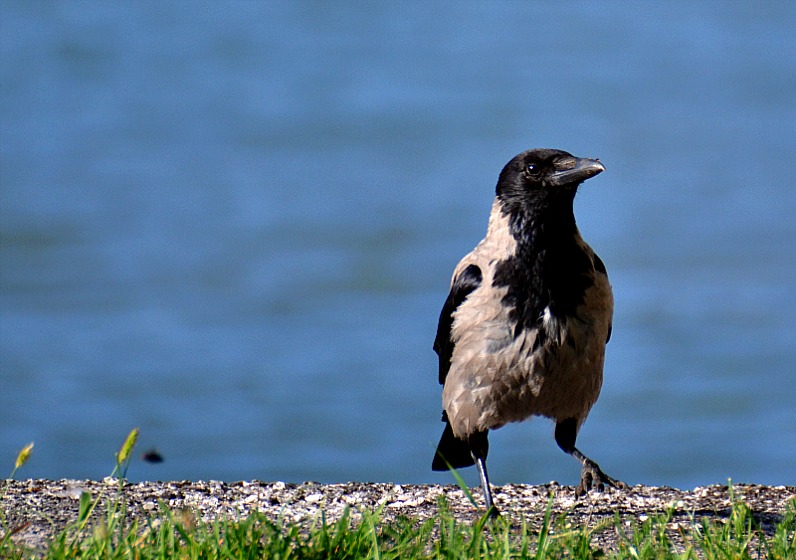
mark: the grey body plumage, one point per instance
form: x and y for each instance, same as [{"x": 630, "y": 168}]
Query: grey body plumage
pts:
[{"x": 524, "y": 329}]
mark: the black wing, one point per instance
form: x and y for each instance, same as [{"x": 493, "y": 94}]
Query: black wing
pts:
[
  {"x": 599, "y": 266},
  {"x": 467, "y": 281}
]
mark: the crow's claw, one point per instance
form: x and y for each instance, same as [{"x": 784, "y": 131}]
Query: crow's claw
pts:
[{"x": 593, "y": 478}]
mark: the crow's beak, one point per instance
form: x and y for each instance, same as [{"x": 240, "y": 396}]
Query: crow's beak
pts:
[{"x": 582, "y": 169}]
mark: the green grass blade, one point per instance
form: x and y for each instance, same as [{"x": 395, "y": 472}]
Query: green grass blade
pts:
[{"x": 85, "y": 507}]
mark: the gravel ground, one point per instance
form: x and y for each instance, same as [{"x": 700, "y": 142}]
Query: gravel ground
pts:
[{"x": 35, "y": 509}]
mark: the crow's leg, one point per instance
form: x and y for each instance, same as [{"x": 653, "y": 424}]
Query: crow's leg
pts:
[
  {"x": 479, "y": 447},
  {"x": 591, "y": 475},
  {"x": 480, "y": 463}
]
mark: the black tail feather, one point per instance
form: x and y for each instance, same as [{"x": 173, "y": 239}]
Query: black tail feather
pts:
[{"x": 456, "y": 453}]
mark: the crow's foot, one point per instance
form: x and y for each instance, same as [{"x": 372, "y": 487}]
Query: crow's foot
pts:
[{"x": 593, "y": 478}]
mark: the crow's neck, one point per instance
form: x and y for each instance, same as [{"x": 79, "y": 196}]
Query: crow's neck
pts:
[
  {"x": 546, "y": 227},
  {"x": 549, "y": 268}
]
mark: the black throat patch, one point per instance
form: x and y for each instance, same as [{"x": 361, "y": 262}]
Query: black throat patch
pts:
[{"x": 549, "y": 269}]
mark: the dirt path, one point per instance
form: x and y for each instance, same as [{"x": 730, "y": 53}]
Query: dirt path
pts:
[{"x": 35, "y": 509}]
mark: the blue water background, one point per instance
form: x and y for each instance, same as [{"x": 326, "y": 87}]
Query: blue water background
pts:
[{"x": 233, "y": 225}]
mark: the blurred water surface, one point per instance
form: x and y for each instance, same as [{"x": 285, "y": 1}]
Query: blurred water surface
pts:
[{"x": 233, "y": 225}]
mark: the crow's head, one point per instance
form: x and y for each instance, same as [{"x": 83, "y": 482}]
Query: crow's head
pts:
[{"x": 543, "y": 178}]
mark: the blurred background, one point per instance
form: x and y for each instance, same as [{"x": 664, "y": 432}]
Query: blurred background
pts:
[{"x": 233, "y": 225}]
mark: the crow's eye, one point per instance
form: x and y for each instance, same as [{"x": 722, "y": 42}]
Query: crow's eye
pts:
[{"x": 532, "y": 169}]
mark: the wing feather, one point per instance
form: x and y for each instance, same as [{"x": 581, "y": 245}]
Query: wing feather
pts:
[{"x": 463, "y": 284}]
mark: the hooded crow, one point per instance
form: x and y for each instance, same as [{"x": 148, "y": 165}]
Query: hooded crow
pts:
[{"x": 524, "y": 328}]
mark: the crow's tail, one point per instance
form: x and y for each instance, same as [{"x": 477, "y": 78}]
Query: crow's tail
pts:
[{"x": 453, "y": 452}]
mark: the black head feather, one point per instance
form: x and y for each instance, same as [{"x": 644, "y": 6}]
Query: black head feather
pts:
[{"x": 543, "y": 181}]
